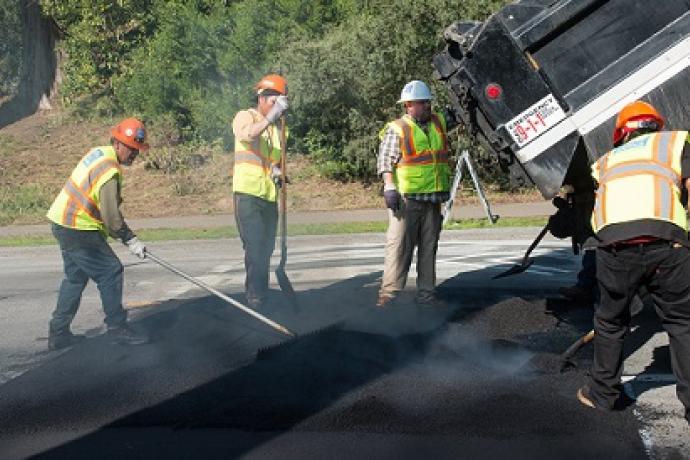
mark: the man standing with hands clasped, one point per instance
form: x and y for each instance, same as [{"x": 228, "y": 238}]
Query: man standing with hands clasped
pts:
[
  {"x": 413, "y": 162},
  {"x": 256, "y": 178}
]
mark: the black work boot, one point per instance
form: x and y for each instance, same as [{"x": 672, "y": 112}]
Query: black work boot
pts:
[
  {"x": 126, "y": 335},
  {"x": 60, "y": 340}
]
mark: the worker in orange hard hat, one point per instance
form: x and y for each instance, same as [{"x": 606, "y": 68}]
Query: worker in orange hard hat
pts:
[
  {"x": 640, "y": 243},
  {"x": 84, "y": 214},
  {"x": 255, "y": 182}
]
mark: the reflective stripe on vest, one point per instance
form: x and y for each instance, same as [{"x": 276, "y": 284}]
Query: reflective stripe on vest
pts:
[
  {"x": 423, "y": 166},
  {"x": 651, "y": 161},
  {"x": 77, "y": 204},
  {"x": 253, "y": 163}
]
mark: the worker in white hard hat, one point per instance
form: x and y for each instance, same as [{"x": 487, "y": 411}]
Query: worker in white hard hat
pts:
[{"x": 413, "y": 162}]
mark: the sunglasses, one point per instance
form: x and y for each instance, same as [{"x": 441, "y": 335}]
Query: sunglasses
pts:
[{"x": 140, "y": 135}]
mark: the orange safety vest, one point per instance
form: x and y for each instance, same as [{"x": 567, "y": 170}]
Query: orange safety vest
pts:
[
  {"x": 423, "y": 167},
  {"x": 78, "y": 203},
  {"x": 253, "y": 162},
  {"x": 641, "y": 180}
]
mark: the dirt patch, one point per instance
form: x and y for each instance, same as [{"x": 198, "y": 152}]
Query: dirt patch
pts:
[{"x": 43, "y": 149}]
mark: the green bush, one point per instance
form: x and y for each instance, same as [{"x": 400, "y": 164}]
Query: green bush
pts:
[
  {"x": 29, "y": 200},
  {"x": 345, "y": 85},
  {"x": 186, "y": 67}
]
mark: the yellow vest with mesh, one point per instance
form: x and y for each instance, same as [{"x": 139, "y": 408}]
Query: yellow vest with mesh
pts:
[
  {"x": 78, "y": 203},
  {"x": 423, "y": 167},
  {"x": 640, "y": 180},
  {"x": 253, "y": 162}
]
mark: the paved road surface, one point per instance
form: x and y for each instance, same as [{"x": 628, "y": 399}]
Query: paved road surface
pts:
[{"x": 475, "y": 378}]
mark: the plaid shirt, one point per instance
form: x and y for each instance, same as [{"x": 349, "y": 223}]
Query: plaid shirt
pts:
[{"x": 390, "y": 154}]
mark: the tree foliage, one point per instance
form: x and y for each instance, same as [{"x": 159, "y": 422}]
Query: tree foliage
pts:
[
  {"x": 189, "y": 66},
  {"x": 10, "y": 46}
]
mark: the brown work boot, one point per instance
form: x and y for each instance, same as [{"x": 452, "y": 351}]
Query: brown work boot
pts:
[
  {"x": 385, "y": 301},
  {"x": 577, "y": 293}
]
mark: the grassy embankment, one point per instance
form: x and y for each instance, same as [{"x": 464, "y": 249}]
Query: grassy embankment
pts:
[{"x": 38, "y": 153}]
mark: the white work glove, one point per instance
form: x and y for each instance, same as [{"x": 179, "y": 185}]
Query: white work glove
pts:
[
  {"x": 136, "y": 247},
  {"x": 279, "y": 107},
  {"x": 276, "y": 175}
]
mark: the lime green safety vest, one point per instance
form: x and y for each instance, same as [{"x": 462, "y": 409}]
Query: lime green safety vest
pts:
[
  {"x": 78, "y": 203},
  {"x": 253, "y": 163},
  {"x": 423, "y": 167},
  {"x": 640, "y": 180}
]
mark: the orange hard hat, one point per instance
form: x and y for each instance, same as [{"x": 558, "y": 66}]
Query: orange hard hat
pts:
[
  {"x": 273, "y": 82},
  {"x": 132, "y": 133},
  {"x": 634, "y": 116}
]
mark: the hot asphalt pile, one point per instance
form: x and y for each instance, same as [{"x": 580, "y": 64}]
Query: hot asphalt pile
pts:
[{"x": 483, "y": 376}]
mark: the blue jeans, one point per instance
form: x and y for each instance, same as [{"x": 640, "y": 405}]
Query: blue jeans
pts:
[{"x": 86, "y": 254}]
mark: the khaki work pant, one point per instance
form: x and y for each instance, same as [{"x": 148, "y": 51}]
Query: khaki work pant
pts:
[{"x": 417, "y": 224}]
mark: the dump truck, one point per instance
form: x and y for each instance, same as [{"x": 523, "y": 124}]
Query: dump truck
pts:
[{"x": 540, "y": 82}]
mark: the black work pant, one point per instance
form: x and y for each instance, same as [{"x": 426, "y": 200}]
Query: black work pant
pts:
[
  {"x": 257, "y": 221},
  {"x": 665, "y": 272}
]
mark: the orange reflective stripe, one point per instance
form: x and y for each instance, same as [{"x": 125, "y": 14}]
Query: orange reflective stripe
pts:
[
  {"x": 425, "y": 157},
  {"x": 439, "y": 127},
  {"x": 95, "y": 175},
  {"x": 83, "y": 201},
  {"x": 406, "y": 142},
  {"x": 251, "y": 158},
  {"x": 663, "y": 148},
  {"x": 603, "y": 204},
  {"x": 633, "y": 168}
]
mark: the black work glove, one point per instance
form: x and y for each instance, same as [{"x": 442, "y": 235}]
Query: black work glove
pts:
[{"x": 392, "y": 198}]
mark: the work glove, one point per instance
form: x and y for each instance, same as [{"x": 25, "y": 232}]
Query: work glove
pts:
[
  {"x": 392, "y": 198},
  {"x": 279, "y": 107},
  {"x": 136, "y": 247},
  {"x": 277, "y": 176}
]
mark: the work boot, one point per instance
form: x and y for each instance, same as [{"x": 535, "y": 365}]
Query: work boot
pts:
[
  {"x": 58, "y": 341},
  {"x": 385, "y": 301},
  {"x": 126, "y": 335},
  {"x": 428, "y": 300},
  {"x": 583, "y": 397},
  {"x": 577, "y": 293}
]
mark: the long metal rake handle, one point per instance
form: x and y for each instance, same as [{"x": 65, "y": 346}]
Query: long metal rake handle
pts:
[{"x": 219, "y": 294}]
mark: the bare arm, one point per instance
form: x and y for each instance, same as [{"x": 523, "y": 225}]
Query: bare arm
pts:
[{"x": 246, "y": 128}]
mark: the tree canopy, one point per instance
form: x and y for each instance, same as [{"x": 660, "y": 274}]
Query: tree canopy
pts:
[{"x": 189, "y": 65}]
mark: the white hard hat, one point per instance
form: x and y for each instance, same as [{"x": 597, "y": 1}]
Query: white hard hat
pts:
[{"x": 415, "y": 91}]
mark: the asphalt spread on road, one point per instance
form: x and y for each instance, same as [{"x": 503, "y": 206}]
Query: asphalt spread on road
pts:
[{"x": 475, "y": 377}]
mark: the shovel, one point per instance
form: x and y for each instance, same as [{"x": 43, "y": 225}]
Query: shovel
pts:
[
  {"x": 526, "y": 260},
  {"x": 567, "y": 361},
  {"x": 283, "y": 280},
  {"x": 201, "y": 284}
]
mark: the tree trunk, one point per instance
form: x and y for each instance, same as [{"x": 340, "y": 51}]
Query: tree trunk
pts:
[{"x": 39, "y": 68}]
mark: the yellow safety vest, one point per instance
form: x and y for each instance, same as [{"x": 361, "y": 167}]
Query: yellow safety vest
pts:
[
  {"x": 640, "y": 180},
  {"x": 78, "y": 203},
  {"x": 423, "y": 167},
  {"x": 254, "y": 160}
]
